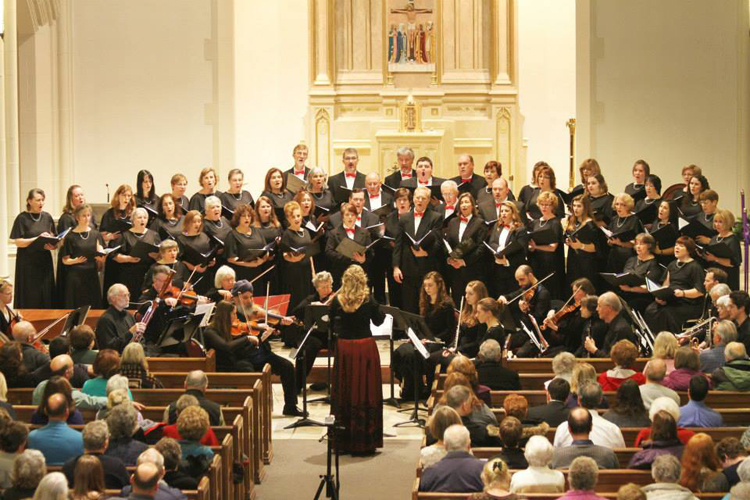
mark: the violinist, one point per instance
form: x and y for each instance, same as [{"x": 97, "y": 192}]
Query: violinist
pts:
[
  {"x": 8, "y": 317},
  {"x": 117, "y": 326},
  {"x": 534, "y": 301},
  {"x": 566, "y": 325},
  {"x": 23, "y": 333},
  {"x": 223, "y": 283}
]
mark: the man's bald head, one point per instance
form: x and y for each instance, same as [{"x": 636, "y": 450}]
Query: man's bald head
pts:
[
  {"x": 656, "y": 370},
  {"x": 57, "y": 407},
  {"x": 579, "y": 422},
  {"x": 61, "y": 365},
  {"x": 23, "y": 331},
  {"x": 145, "y": 479}
]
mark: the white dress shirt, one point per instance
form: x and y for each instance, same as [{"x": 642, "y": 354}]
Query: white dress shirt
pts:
[
  {"x": 350, "y": 181},
  {"x": 462, "y": 227},
  {"x": 603, "y": 433},
  {"x": 376, "y": 201}
]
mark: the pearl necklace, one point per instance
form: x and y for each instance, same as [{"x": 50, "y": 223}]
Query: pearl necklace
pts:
[
  {"x": 31, "y": 214},
  {"x": 88, "y": 233}
]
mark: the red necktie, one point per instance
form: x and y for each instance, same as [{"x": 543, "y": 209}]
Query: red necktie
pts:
[
  {"x": 299, "y": 172},
  {"x": 450, "y": 207},
  {"x": 359, "y": 218},
  {"x": 498, "y": 205},
  {"x": 350, "y": 174},
  {"x": 464, "y": 181},
  {"x": 423, "y": 183},
  {"x": 418, "y": 214},
  {"x": 464, "y": 219},
  {"x": 349, "y": 230},
  {"x": 405, "y": 176},
  {"x": 375, "y": 196}
]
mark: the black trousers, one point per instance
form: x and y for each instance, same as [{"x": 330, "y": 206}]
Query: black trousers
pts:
[
  {"x": 279, "y": 366},
  {"x": 405, "y": 360},
  {"x": 410, "y": 293}
]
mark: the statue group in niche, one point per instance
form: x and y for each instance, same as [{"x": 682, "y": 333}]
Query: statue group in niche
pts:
[{"x": 411, "y": 42}]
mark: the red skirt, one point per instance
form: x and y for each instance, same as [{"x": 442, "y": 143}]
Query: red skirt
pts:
[{"x": 358, "y": 396}]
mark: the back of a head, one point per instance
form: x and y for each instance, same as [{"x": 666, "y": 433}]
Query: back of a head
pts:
[
  {"x": 559, "y": 389},
  {"x": 145, "y": 478},
  {"x": 630, "y": 491},
  {"x": 193, "y": 423},
  {"x": 583, "y": 474},
  {"x": 117, "y": 382},
  {"x": 743, "y": 470},
  {"x": 666, "y": 469},
  {"x": 698, "y": 388},
  {"x": 490, "y": 350},
  {"x": 590, "y": 395},
  {"x": 463, "y": 364},
  {"x": 456, "y": 438},
  {"x": 740, "y": 491},
  {"x": 656, "y": 370},
  {"x": 579, "y": 421},
  {"x": 664, "y": 427},
  {"x": 81, "y": 337},
  {"x": 495, "y": 474},
  {"x": 59, "y": 346},
  {"x": 511, "y": 431},
  {"x": 457, "y": 396},
  {"x": 171, "y": 451},
  {"x": 54, "y": 486},
  {"x": 184, "y": 401},
  {"x": 734, "y": 351},
  {"x": 56, "y": 407},
  {"x": 442, "y": 418},
  {"x": 516, "y": 405},
  {"x": 28, "y": 469},
  {"x": 88, "y": 476},
  {"x": 122, "y": 421},
  {"x": 95, "y": 435},
  {"x": 13, "y": 436},
  {"x": 666, "y": 404},
  {"x": 730, "y": 448},
  {"x": 196, "y": 379},
  {"x": 563, "y": 363},
  {"x": 538, "y": 451},
  {"x": 151, "y": 455}
]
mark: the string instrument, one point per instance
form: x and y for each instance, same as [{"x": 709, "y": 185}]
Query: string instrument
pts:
[
  {"x": 37, "y": 340},
  {"x": 566, "y": 309},
  {"x": 138, "y": 336},
  {"x": 528, "y": 294}
]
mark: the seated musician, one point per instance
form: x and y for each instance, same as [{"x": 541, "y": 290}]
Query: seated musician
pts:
[
  {"x": 117, "y": 326},
  {"x": 610, "y": 311},
  {"x": 8, "y": 316},
  {"x": 593, "y": 326},
  {"x": 565, "y": 327},
  {"x": 24, "y": 333},
  {"x": 534, "y": 302}
]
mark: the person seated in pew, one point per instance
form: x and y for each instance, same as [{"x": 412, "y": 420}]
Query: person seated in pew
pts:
[
  {"x": 28, "y": 470},
  {"x": 610, "y": 311},
  {"x": 668, "y": 405},
  {"x": 538, "y": 477},
  {"x": 170, "y": 430},
  {"x": 516, "y": 405},
  {"x": 458, "y": 471},
  {"x": 663, "y": 441},
  {"x": 623, "y": 353},
  {"x": 695, "y": 413},
  {"x": 475, "y": 415},
  {"x": 196, "y": 384},
  {"x": 687, "y": 364},
  {"x": 13, "y": 438},
  {"x": 701, "y": 467},
  {"x": 603, "y": 433},
  {"x": 480, "y": 411},
  {"x": 630, "y": 491},
  {"x": 146, "y": 484},
  {"x": 580, "y": 424},
  {"x": 88, "y": 478},
  {"x": 724, "y": 332},
  {"x": 666, "y": 471},
  {"x": 192, "y": 424},
  {"x": 554, "y": 412},
  {"x": 82, "y": 342},
  {"x": 24, "y": 332},
  {"x": 106, "y": 365},
  {"x": 441, "y": 419},
  {"x": 123, "y": 425},
  {"x": 490, "y": 369},
  {"x": 511, "y": 433},
  {"x": 57, "y": 384},
  {"x": 665, "y": 348},
  {"x": 95, "y": 442},
  {"x": 628, "y": 409},
  {"x": 4, "y": 405},
  {"x": 653, "y": 388},
  {"x": 496, "y": 479},
  {"x": 58, "y": 347},
  {"x": 63, "y": 366},
  {"x": 735, "y": 374},
  {"x": 583, "y": 373},
  {"x": 464, "y": 366},
  {"x": 562, "y": 367},
  {"x": 582, "y": 477},
  {"x": 134, "y": 366},
  {"x": 174, "y": 475},
  {"x": 732, "y": 454},
  {"x": 56, "y": 440}
]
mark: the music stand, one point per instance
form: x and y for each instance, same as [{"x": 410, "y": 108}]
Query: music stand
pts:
[
  {"x": 317, "y": 316},
  {"x": 188, "y": 324},
  {"x": 414, "y": 418},
  {"x": 299, "y": 357},
  {"x": 75, "y": 318},
  {"x": 398, "y": 323}
]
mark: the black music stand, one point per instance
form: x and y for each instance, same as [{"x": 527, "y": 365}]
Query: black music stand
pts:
[
  {"x": 317, "y": 315},
  {"x": 75, "y": 318},
  {"x": 299, "y": 357},
  {"x": 414, "y": 418},
  {"x": 398, "y": 323}
]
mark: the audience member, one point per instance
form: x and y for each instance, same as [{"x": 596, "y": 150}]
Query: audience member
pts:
[
  {"x": 442, "y": 418},
  {"x": 462, "y": 364},
  {"x": 538, "y": 477},
  {"x": 740, "y": 491},
  {"x": 63, "y": 366},
  {"x": 106, "y": 364},
  {"x": 123, "y": 424},
  {"x": 4, "y": 405},
  {"x": 496, "y": 480},
  {"x": 173, "y": 473},
  {"x": 562, "y": 366},
  {"x": 12, "y": 367},
  {"x": 623, "y": 353},
  {"x": 666, "y": 471},
  {"x": 695, "y": 413},
  {"x": 88, "y": 479},
  {"x": 28, "y": 470},
  {"x": 60, "y": 346},
  {"x": 480, "y": 412},
  {"x": 583, "y": 373},
  {"x": 164, "y": 491},
  {"x": 603, "y": 432},
  {"x": 656, "y": 370},
  {"x": 735, "y": 374},
  {"x": 554, "y": 412},
  {"x": 53, "y": 486},
  {"x": 82, "y": 342},
  {"x": 663, "y": 441},
  {"x": 12, "y": 443},
  {"x": 580, "y": 422},
  {"x": 724, "y": 332},
  {"x": 56, "y": 440},
  {"x": 670, "y": 407},
  {"x": 665, "y": 348},
  {"x": 731, "y": 453},
  {"x": 458, "y": 471},
  {"x": 95, "y": 443},
  {"x": 192, "y": 425},
  {"x": 628, "y": 409},
  {"x": 491, "y": 371},
  {"x": 511, "y": 432},
  {"x": 144, "y": 482},
  {"x": 134, "y": 366},
  {"x": 687, "y": 363},
  {"x": 582, "y": 478},
  {"x": 630, "y": 491},
  {"x": 196, "y": 384},
  {"x": 170, "y": 430},
  {"x": 701, "y": 467},
  {"x": 56, "y": 385},
  {"x": 461, "y": 398}
]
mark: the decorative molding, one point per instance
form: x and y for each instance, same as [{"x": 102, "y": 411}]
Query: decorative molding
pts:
[
  {"x": 42, "y": 12},
  {"x": 323, "y": 140},
  {"x": 504, "y": 141}
]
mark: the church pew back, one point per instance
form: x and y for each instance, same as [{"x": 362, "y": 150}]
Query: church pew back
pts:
[{"x": 544, "y": 365}]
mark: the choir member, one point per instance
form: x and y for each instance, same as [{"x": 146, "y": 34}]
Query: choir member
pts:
[
  {"x": 403, "y": 206},
  {"x": 116, "y": 327},
  {"x": 348, "y": 229},
  {"x": 350, "y": 178},
  {"x": 79, "y": 256},
  {"x": 244, "y": 243},
  {"x": 666, "y": 215},
  {"x": 526, "y": 191},
  {"x": 601, "y": 200},
  {"x": 688, "y": 172},
  {"x": 723, "y": 222},
  {"x": 8, "y": 317},
  {"x": 377, "y": 198},
  {"x": 405, "y": 159},
  {"x": 357, "y": 394},
  {"x": 490, "y": 209},
  {"x": 300, "y": 168},
  {"x": 644, "y": 265},
  {"x": 424, "y": 176},
  {"x": 235, "y": 195},
  {"x": 318, "y": 187},
  {"x": 365, "y": 219},
  {"x": 73, "y": 198},
  {"x": 685, "y": 279},
  {"x": 437, "y": 308},
  {"x": 690, "y": 203},
  {"x": 624, "y": 221},
  {"x": 168, "y": 252},
  {"x": 208, "y": 181},
  {"x": 709, "y": 200},
  {"x": 269, "y": 226},
  {"x": 307, "y": 204},
  {"x": 587, "y": 168},
  {"x": 548, "y": 258},
  {"x": 492, "y": 170},
  {"x": 509, "y": 229},
  {"x": 34, "y": 275},
  {"x": 118, "y": 215},
  {"x": 652, "y": 188},
  {"x": 465, "y": 235},
  {"x": 411, "y": 262},
  {"x": 216, "y": 226},
  {"x": 145, "y": 195},
  {"x": 296, "y": 271},
  {"x": 640, "y": 171},
  {"x": 546, "y": 183},
  {"x": 169, "y": 223},
  {"x": 133, "y": 269},
  {"x": 179, "y": 186},
  {"x": 583, "y": 258},
  {"x": 466, "y": 177},
  {"x": 199, "y": 243},
  {"x": 274, "y": 188},
  {"x": 610, "y": 311}
]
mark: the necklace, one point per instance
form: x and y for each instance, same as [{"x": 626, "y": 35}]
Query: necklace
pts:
[
  {"x": 621, "y": 221},
  {"x": 218, "y": 224},
  {"x": 31, "y": 214},
  {"x": 88, "y": 233},
  {"x": 238, "y": 198},
  {"x": 681, "y": 264},
  {"x": 299, "y": 232},
  {"x": 719, "y": 239},
  {"x": 544, "y": 222}
]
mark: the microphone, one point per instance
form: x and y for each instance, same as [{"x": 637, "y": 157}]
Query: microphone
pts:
[{"x": 107, "y": 191}]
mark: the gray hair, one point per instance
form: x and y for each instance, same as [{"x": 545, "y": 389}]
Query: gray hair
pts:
[
  {"x": 719, "y": 291},
  {"x": 222, "y": 273},
  {"x": 28, "y": 469},
  {"x": 666, "y": 469},
  {"x": 122, "y": 421},
  {"x": 743, "y": 470},
  {"x": 117, "y": 382},
  {"x": 115, "y": 290},
  {"x": 212, "y": 201},
  {"x": 95, "y": 435},
  {"x": 153, "y": 456},
  {"x": 583, "y": 474},
  {"x": 591, "y": 395},
  {"x": 184, "y": 401},
  {"x": 612, "y": 300},
  {"x": 726, "y": 330},
  {"x": 723, "y": 301},
  {"x": 196, "y": 379},
  {"x": 563, "y": 364},
  {"x": 457, "y": 396},
  {"x": 456, "y": 438},
  {"x": 490, "y": 350},
  {"x": 735, "y": 350},
  {"x": 315, "y": 171},
  {"x": 666, "y": 404},
  {"x": 322, "y": 277},
  {"x": 171, "y": 451},
  {"x": 449, "y": 185},
  {"x": 53, "y": 486},
  {"x": 405, "y": 151},
  {"x": 740, "y": 491},
  {"x": 538, "y": 451},
  {"x": 136, "y": 212},
  {"x": 656, "y": 369}
]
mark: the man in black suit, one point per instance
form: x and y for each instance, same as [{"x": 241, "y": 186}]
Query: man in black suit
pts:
[
  {"x": 447, "y": 207},
  {"x": 375, "y": 198},
  {"x": 345, "y": 181},
  {"x": 365, "y": 219},
  {"x": 554, "y": 412},
  {"x": 424, "y": 176},
  {"x": 299, "y": 169},
  {"x": 490, "y": 210},
  {"x": 467, "y": 181},
  {"x": 405, "y": 158},
  {"x": 537, "y": 307},
  {"x": 610, "y": 311},
  {"x": 410, "y": 263}
]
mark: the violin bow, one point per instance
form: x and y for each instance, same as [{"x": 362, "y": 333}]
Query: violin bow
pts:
[
  {"x": 263, "y": 273},
  {"x": 539, "y": 282}
]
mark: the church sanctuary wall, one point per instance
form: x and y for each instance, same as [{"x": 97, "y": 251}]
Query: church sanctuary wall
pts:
[{"x": 665, "y": 81}]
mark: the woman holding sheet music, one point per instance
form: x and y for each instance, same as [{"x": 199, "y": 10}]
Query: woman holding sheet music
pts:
[
  {"x": 80, "y": 285},
  {"x": 35, "y": 277},
  {"x": 145, "y": 194},
  {"x": 194, "y": 244},
  {"x": 624, "y": 227},
  {"x": 547, "y": 256},
  {"x": 235, "y": 196},
  {"x": 510, "y": 233},
  {"x": 137, "y": 253},
  {"x": 318, "y": 187},
  {"x": 274, "y": 188},
  {"x": 207, "y": 181},
  {"x": 647, "y": 207},
  {"x": 690, "y": 203},
  {"x": 666, "y": 222},
  {"x": 296, "y": 271},
  {"x": 644, "y": 265},
  {"x": 601, "y": 200},
  {"x": 243, "y": 245},
  {"x": 339, "y": 262},
  {"x": 269, "y": 226},
  {"x": 726, "y": 254},
  {"x": 168, "y": 224},
  {"x": 465, "y": 236},
  {"x": 582, "y": 239},
  {"x": 216, "y": 227}
]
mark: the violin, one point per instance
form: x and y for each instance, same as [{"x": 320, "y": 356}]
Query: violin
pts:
[
  {"x": 566, "y": 309},
  {"x": 185, "y": 299}
]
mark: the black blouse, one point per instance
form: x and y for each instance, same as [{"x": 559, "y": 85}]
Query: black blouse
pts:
[
  {"x": 686, "y": 276},
  {"x": 647, "y": 268},
  {"x": 67, "y": 220},
  {"x": 293, "y": 239},
  {"x": 130, "y": 239},
  {"x": 28, "y": 225},
  {"x": 601, "y": 207},
  {"x": 441, "y": 320},
  {"x": 269, "y": 231},
  {"x": 82, "y": 245},
  {"x": 226, "y": 350},
  {"x": 324, "y": 199},
  {"x": 220, "y": 229},
  {"x": 356, "y": 325},
  {"x": 231, "y": 201},
  {"x": 239, "y": 245},
  {"x": 168, "y": 229}
]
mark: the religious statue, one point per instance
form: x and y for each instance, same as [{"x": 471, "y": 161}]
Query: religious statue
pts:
[{"x": 410, "y": 43}]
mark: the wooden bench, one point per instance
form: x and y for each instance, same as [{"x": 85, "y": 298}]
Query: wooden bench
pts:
[
  {"x": 544, "y": 365},
  {"x": 184, "y": 365}
]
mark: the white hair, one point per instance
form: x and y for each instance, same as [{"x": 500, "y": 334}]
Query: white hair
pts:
[
  {"x": 138, "y": 211},
  {"x": 666, "y": 469},
  {"x": 222, "y": 273},
  {"x": 115, "y": 290},
  {"x": 563, "y": 364},
  {"x": 743, "y": 470},
  {"x": 116, "y": 382},
  {"x": 451, "y": 185},
  {"x": 456, "y": 438},
  {"x": 735, "y": 350},
  {"x": 405, "y": 151},
  {"x": 213, "y": 201},
  {"x": 666, "y": 404},
  {"x": 152, "y": 456},
  {"x": 53, "y": 486},
  {"x": 725, "y": 329},
  {"x": 538, "y": 451}
]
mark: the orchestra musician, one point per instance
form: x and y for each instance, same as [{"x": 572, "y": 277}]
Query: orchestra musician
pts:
[
  {"x": 610, "y": 311},
  {"x": 563, "y": 327},
  {"x": 116, "y": 327},
  {"x": 8, "y": 317}
]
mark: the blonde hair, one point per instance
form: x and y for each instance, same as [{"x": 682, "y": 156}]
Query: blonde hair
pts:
[
  {"x": 549, "y": 198},
  {"x": 727, "y": 217},
  {"x": 134, "y": 354},
  {"x": 582, "y": 373},
  {"x": 3, "y": 388},
  {"x": 626, "y": 199},
  {"x": 496, "y": 473},
  {"x": 354, "y": 291},
  {"x": 665, "y": 345}
]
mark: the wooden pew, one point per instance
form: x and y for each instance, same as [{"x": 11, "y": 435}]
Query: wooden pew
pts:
[
  {"x": 227, "y": 459},
  {"x": 184, "y": 365},
  {"x": 544, "y": 365},
  {"x": 215, "y": 474}
]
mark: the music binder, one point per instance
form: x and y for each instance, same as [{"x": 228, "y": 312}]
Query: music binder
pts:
[
  {"x": 719, "y": 249},
  {"x": 512, "y": 247},
  {"x": 665, "y": 236},
  {"x": 41, "y": 241},
  {"x": 659, "y": 291},
  {"x": 544, "y": 236},
  {"x": 142, "y": 249},
  {"x": 383, "y": 212},
  {"x": 624, "y": 236},
  {"x": 585, "y": 233},
  {"x": 694, "y": 228},
  {"x": 647, "y": 213},
  {"x": 196, "y": 258},
  {"x": 461, "y": 250},
  {"x": 117, "y": 226},
  {"x": 627, "y": 279},
  {"x": 294, "y": 183},
  {"x": 226, "y": 212},
  {"x": 348, "y": 247},
  {"x": 417, "y": 244},
  {"x": 105, "y": 252},
  {"x": 251, "y": 254},
  {"x": 321, "y": 211}
]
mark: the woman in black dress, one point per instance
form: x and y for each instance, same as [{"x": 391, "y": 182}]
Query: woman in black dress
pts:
[
  {"x": 636, "y": 189},
  {"x": 168, "y": 224},
  {"x": 402, "y": 199},
  {"x": 723, "y": 223},
  {"x": 624, "y": 222},
  {"x": 296, "y": 271},
  {"x": 601, "y": 201},
  {"x": 316, "y": 227},
  {"x": 666, "y": 215},
  {"x": 35, "y": 277},
  {"x": 79, "y": 256},
  {"x": 509, "y": 230},
  {"x": 357, "y": 392},
  {"x": 526, "y": 191},
  {"x": 114, "y": 221},
  {"x": 465, "y": 235},
  {"x": 216, "y": 227},
  {"x": 583, "y": 259},
  {"x": 207, "y": 181},
  {"x": 73, "y": 199},
  {"x": 274, "y": 188},
  {"x": 647, "y": 208},
  {"x": 348, "y": 229},
  {"x": 643, "y": 264},
  {"x": 133, "y": 269},
  {"x": 469, "y": 325},
  {"x": 588, "y": 168},
  {"x": 235, "y": 196},
  {"x": 689, "y": 204},
  {"x": 179, "y": 186},
  {"x": 318, "y": 187},
  {"x": 269, "y": 226},
  {"x": 546, "y": 183},
  {"x": 548, "y": 258},
  {"x": 243, "y": 245},
  {"x": 488, "y": 316},
  {"x": 685, "y": 279},
  {"x": 145, "y": 195},
  {"x": 199, "y": 243}
]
